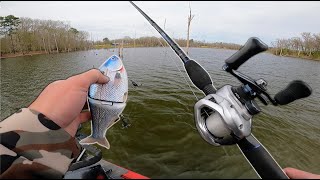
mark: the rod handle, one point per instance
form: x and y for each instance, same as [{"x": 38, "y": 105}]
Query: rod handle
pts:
[
  {"x": 260, "y": 159},
  {"x": 200, "y": 77}
]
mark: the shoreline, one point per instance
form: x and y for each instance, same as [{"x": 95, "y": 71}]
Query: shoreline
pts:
[
  {"x": 306, "y": 58},
  {"x": 6, "y": 56}
]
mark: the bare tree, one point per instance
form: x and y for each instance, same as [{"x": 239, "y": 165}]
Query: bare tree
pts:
[
  {"x": 306, "y": 46},
  {"x": 55, "y": 40},
  {"x": 317, "y": 41},
  {"x": 25, "y": 35},
  {"x": 307, "y": 42},
  {"x": 296, "y": 44},
  {"x": 190, "y": 17}
]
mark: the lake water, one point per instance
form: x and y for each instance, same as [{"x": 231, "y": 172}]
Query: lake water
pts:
[{"x": 162, "y": 141}]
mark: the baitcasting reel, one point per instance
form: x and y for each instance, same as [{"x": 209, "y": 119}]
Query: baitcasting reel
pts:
[{"x": 225, "y": 117}]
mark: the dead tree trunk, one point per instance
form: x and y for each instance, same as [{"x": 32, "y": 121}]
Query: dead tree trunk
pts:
[
  {"x": 121, "y": 50},
  {"x": 190, "y": 17},
  {"x": 134, "y": 40}
]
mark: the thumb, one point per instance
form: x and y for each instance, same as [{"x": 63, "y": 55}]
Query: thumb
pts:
[
  {"x": 90, "y": 77},
  {"x": 298, "y": 174}
]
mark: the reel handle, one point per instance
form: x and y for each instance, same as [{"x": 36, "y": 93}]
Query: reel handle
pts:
[
  {"x": 252, "y": 47},
  {"x": 295, "y": 90}
]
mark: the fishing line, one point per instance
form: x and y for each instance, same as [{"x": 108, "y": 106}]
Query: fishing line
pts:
[
  {"x": 164, "y": 28},
  {"x": 126, "y": 120},
  {"x": 181, "y": 74},
  {"x": 184, "y": 73}
]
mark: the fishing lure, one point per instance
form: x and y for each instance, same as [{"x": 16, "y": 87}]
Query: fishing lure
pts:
[{"x": 107, "y": 101}]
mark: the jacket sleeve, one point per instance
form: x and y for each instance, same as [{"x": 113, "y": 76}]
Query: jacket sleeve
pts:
[{"x": 33, "y": 146}]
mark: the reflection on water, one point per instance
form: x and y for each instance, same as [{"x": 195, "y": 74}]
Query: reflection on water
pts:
[{"x": 162, "y": 141}]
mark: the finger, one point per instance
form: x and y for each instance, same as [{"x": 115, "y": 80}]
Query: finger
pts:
[
  {"x": 298, "y": 174},
  {"x": 84, "y": 117},
  {"x": 90, "y": 77},
  {"x": 95, "y": 76},
  {"x": 72, "y": 128}
]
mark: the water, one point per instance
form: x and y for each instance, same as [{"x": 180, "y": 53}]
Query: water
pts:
[{"x": 162, "y": 141}]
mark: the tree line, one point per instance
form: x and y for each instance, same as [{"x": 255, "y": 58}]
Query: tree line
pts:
[
  {"x": 153, "y": 41},
  {"x": 24, "y": 35},
  {"x": 307, "y": 46}
]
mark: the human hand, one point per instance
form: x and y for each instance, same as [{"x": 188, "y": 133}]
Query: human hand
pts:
[
  {"x": 293, "y": 173},
  {"x": 62, "y": 101}
]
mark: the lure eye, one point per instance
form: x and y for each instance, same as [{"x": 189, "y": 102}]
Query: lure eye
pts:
[{"x": 114, "y": 58}]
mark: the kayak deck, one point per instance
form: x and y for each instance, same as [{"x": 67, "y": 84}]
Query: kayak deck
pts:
[
  {"x": 103, "y": 170},
  {"x": 90, "y": 165}
]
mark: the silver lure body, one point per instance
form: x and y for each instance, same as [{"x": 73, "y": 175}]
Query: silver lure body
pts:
[{"x": 107, "y": 101}]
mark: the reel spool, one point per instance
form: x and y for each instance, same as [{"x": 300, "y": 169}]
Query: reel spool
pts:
[{"x": 221, "y": 119}]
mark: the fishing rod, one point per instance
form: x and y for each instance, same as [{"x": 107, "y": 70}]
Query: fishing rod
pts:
[
  {"x": 196, "y": 72},
  {"x": 224, "y": 116}
]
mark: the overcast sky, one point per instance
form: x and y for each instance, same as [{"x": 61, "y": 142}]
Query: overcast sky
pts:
[{"x": 213, "y": 22}]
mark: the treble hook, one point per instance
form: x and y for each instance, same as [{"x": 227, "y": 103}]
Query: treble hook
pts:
[
  {"x": 135, "y": 84},
  {"x": 125, "y": 122}
]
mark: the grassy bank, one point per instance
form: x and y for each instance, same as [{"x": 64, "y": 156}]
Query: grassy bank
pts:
[
  {"x": 315, "y": 55},
  {"x": 301, "y": 57}
]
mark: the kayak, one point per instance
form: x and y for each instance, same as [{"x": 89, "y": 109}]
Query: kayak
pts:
[
  {"x": 90, "y": 165},
  {"x": 103, "y": 170}
]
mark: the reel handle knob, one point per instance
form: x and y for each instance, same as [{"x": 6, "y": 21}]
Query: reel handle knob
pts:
[
  {"x": 252, "y": 47},
  {"x": 295, "y": 90}
]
